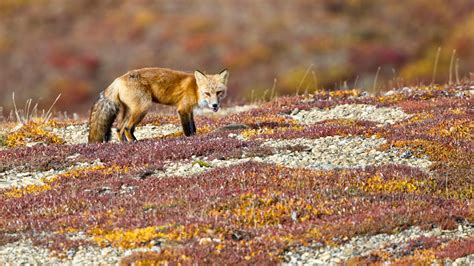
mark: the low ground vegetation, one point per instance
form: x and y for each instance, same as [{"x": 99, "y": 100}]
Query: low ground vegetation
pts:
[{"x": 125, "y": 197}]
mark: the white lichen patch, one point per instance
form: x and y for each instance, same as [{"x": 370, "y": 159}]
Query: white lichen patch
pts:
[
  {"x": 339, "y": 152},
  {"x": 77, "y": 134},
  {"x": 197, "y": 166},
  {"x": 364, "y": 245},
  {"x": 333, "y": 152},
  {"x": 14, "y": 178},
  {"x": 383, "y": 115},
  {"x": 23, "y": 252}
]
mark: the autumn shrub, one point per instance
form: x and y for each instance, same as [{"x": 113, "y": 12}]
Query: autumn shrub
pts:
[
  {"x": 30, "y": 133},
  {"x": 245, "y": 213}
]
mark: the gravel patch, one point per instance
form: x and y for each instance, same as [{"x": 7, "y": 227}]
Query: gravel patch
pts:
[
  {"x": 326, "y": 153},
  {"x": 383, "y": 115},
  {"x": 340, "y": 152},
  {"x": 196, "y": 166},
  {"x": 77, "y": 134},
  {"x": 364, "y": 245},
  {"x": 14, "y": 178},
  {"x": 23, "y": 252}
]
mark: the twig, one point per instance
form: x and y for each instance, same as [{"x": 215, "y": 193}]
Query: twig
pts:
[
  {"x": 344, "y": 85},
  {"x": 272, "y": 93},
  {"x": 315, "y": 80},
  {"x": 265, "y": 95},
  {"x": 303, "y": 79},
  {"x": 18, "y": 118},
  {"x": 456, "y": 71},
  {"x": 451, "y": 67},
  {"x": 28, "y": 114},
  {"x": 49, "y": 113},
  {"x": 435, "y": 68},
  {"x": 375, "y": 80},
  {"x": 446, "y": 188},
  {"x": 35, "y": 110},
  {"x": 355, "y": 82}
]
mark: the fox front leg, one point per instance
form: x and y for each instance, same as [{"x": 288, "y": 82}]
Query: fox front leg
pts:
[
  {"x": 193, "y": 124},
  {"x": 187, "y": 122}
]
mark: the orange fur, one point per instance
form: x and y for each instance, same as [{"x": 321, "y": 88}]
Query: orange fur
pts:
[{"x": 130, "y": 97}]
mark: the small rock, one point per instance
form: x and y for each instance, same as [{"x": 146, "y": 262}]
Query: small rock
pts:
[{"x": 325, "y": 256}]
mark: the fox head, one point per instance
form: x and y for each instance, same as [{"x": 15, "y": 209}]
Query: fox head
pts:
[{"x": 211, "y": 88}]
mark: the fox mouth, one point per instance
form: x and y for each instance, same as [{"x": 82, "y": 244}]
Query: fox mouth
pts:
[{"x": 215, "y": 109}]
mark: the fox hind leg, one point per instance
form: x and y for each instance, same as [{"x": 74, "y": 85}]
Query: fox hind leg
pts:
[
  {"x": 134, "y": 116},
  {"x": 121, "y": 118},
  {"x": 132, "y": 122},
  {"x": 137, "y": 105}
]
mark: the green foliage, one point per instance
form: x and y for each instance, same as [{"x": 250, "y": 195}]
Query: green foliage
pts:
[{"x": 201, "y": 163}]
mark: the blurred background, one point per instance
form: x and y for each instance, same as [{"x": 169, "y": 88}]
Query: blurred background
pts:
[{"x": 77, "y": 48}]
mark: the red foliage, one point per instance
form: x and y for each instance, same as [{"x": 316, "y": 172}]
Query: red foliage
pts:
[{"x": 456, "y": 249}]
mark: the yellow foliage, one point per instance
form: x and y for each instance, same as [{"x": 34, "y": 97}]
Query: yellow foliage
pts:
[
  {"x": 377, "y": 184},
  {"x": 267, "y": 119},
  {"x": 142, "y": 237},
  {"x": 67, "y": 230},
  {"x": 204, "y": 129},
  {"x": 73, "y": 173},
  {"x": 313, "y": 233},
  {"x": 269, "y": 209},
  {"x": 127, "y": 239},
  {"x": 30, "y": 189},
  {"x": 248, "y": 133},
  {"x": 458, "y": 111},
  {"x": 200, "y": 130},
  {"x": 253, "y": 132},
  {"x": 397, "y": 97},
  {"x": 457, "y": 129},
  {"x": 31, "y": 132},
  {"x": 420, "y": 148},
  {"x": 420, "y": 257},
  {"x": 419, "y": 117},
  {"x": 338, "y": 93}
]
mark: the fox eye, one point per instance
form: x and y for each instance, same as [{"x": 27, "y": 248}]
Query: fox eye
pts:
[{"x": 207, "y": 94}]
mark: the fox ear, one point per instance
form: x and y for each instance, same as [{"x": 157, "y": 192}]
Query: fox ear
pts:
[
  {"x": 200, "y": 77},
  {"x": 224, "y": 75}
]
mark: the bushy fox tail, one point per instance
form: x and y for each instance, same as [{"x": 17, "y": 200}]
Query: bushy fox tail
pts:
[{"x": 102, "y": 117}]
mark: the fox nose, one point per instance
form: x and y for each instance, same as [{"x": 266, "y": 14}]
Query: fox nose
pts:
[{"x": 215, "y": 107}]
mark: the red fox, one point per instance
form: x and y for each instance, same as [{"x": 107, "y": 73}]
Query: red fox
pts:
[{"x": 130, "y": 96}]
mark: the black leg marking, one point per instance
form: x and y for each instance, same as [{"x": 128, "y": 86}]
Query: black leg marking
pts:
[
  {"x": 193, "y": 125},
  {"x": 132, "y": 132},
  {"x": 186, "y": 123}
]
